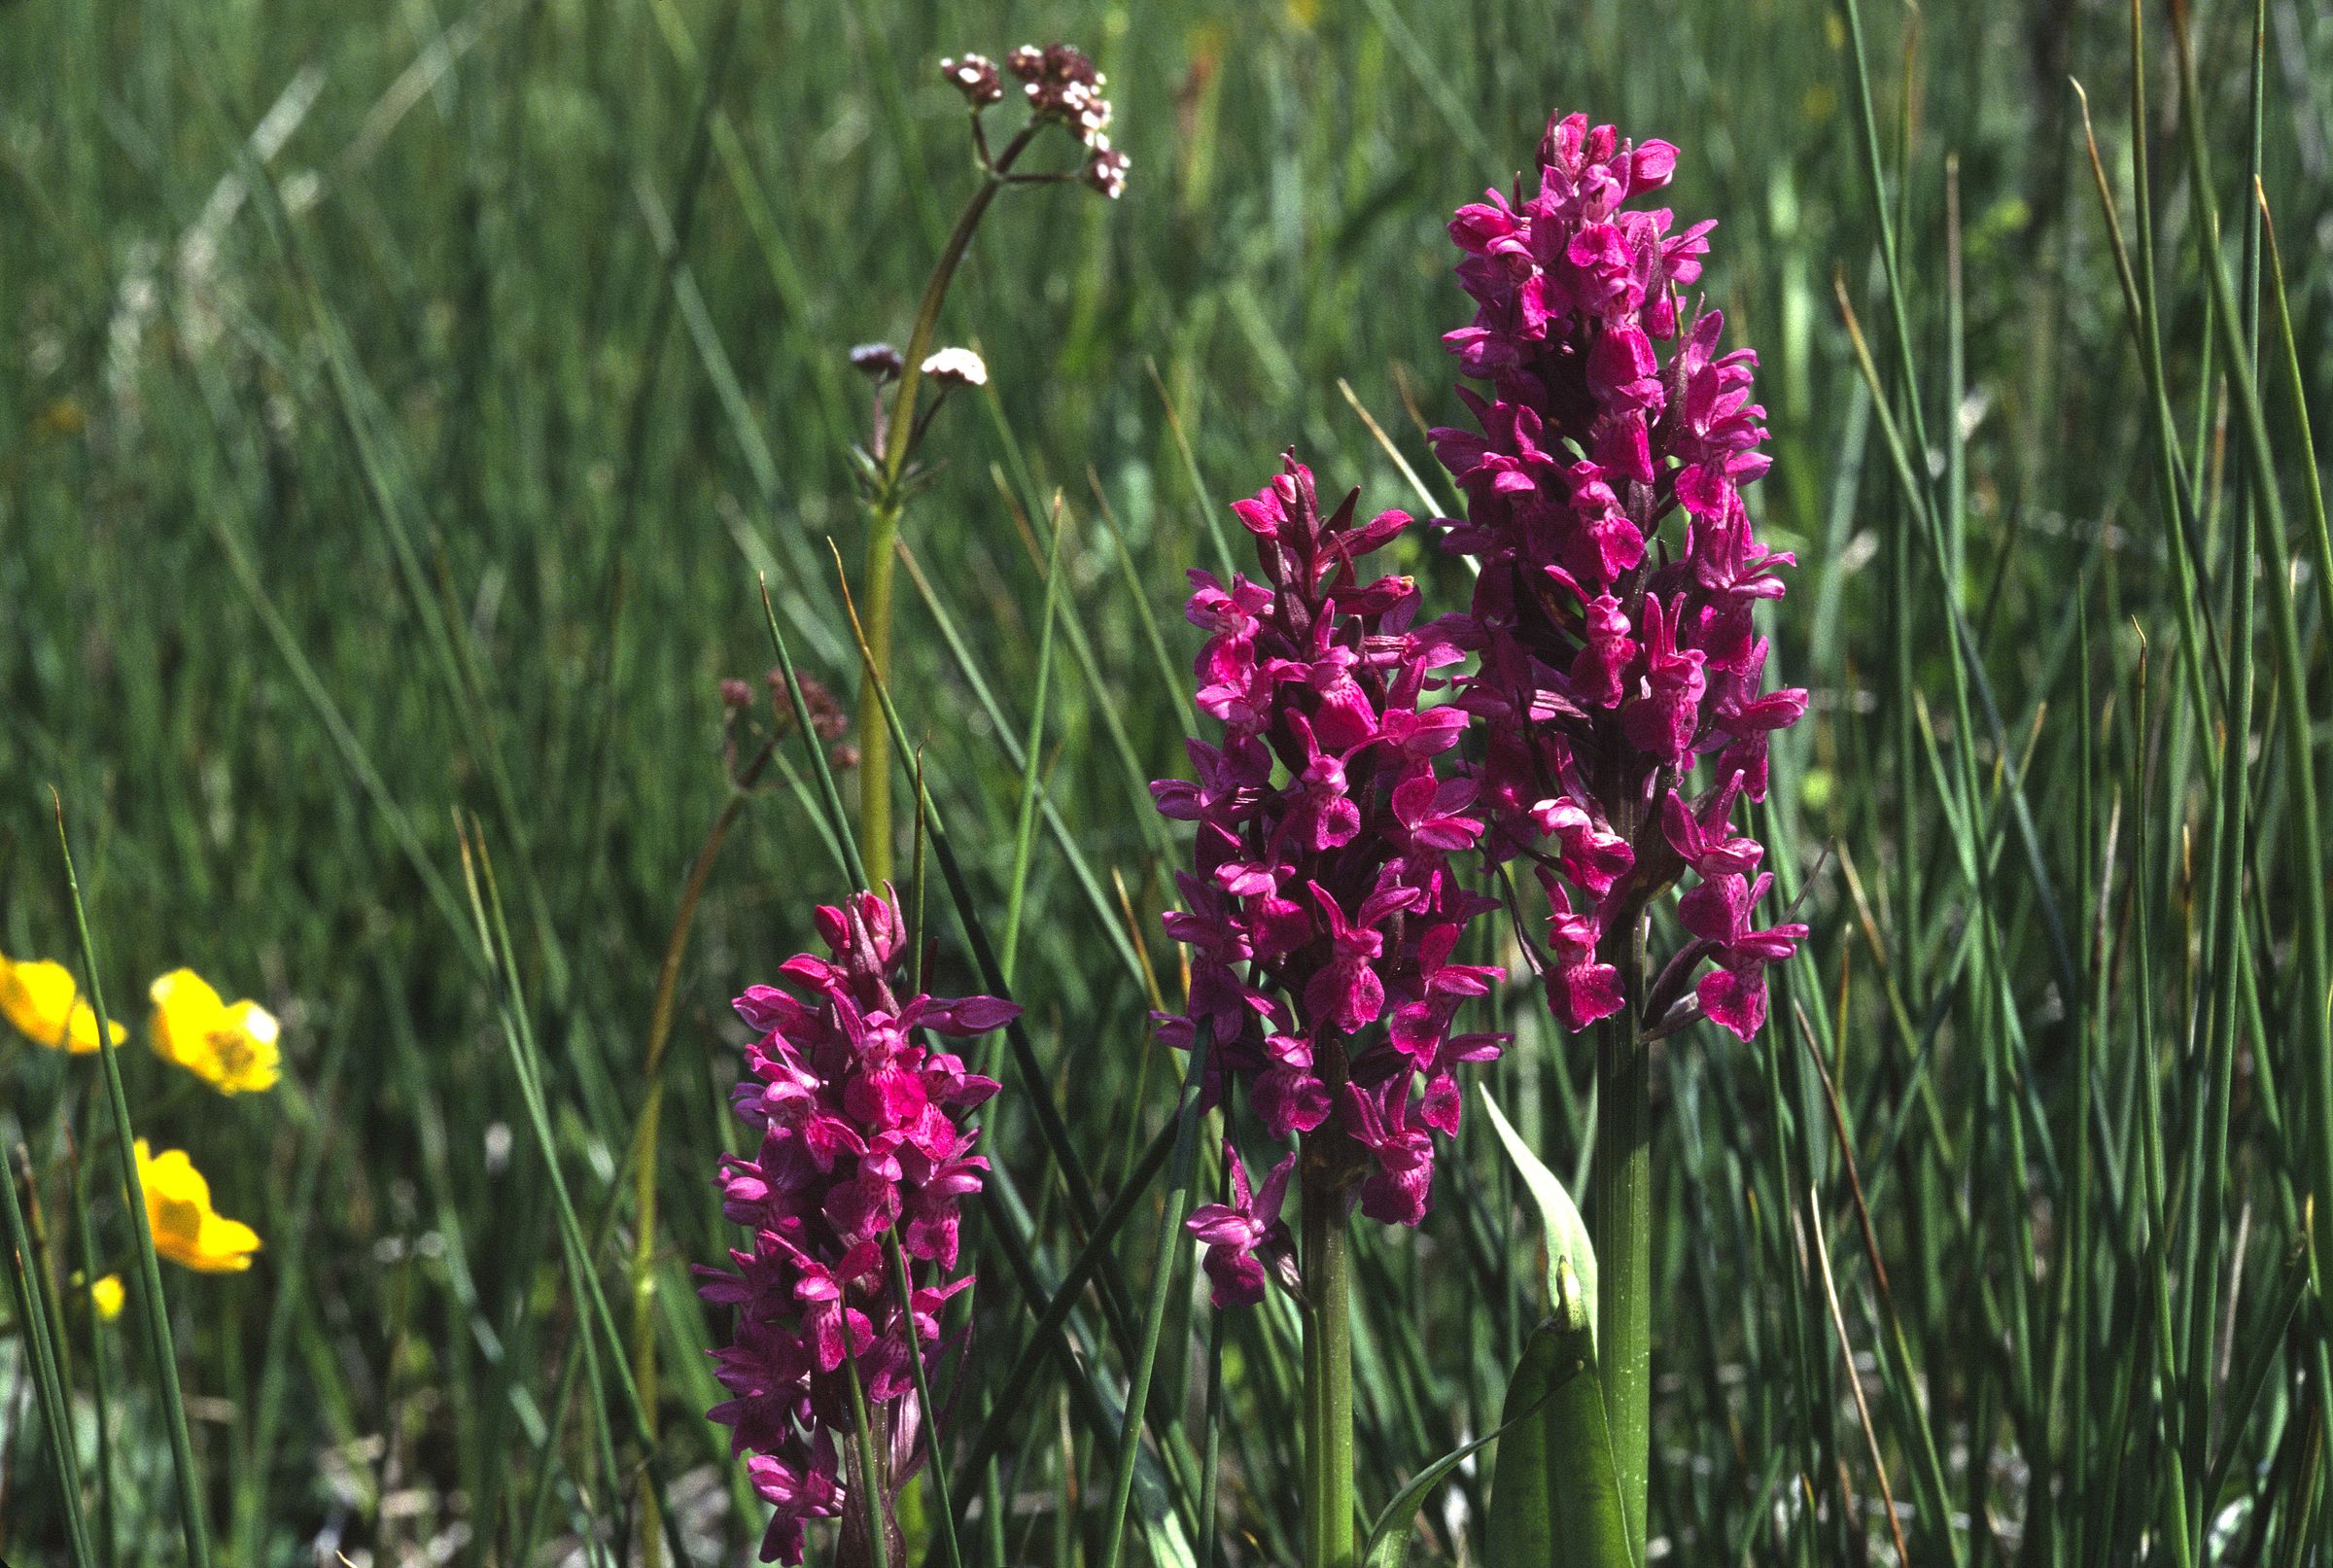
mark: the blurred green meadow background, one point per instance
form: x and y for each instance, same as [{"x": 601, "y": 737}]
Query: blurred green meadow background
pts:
[{"x": 400, "y": 407}]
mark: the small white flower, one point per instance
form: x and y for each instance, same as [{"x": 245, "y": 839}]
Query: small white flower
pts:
[
  {"x": 1105, "y": 171},
  {"x": 975, "y": 77},
  {"x": 957, "y": 367}
]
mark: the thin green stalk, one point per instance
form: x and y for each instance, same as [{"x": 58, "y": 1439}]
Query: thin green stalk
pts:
[
  {"x": 1620, "y": 1225},
  {"x": 1137, "y": 594},
  {"x": 874, "y": 743},
  {"x": 1867, "y": 134},
  {"x": 1956, "y": 390},
  {"x": 1000, "y": 1199},
  {"x": 1050, "y": 1125},
  {"x": 40, "y": 1340},
  {"x": 101, "y": 1378},
  {"x": 1044, "y": 1335},
  {"x": 2155, "y": 1175},
  {"x": 1211, "y": 1456},
  {"x": 294, "y": 1304},
  {"x": 153, "y": 1308},
  {"x": 2296, "y": 388},
  {"x": 646, "y": 1136},
  {"x": 883, "y": 517},
  {"x": 1107, "y": 704},
  {"x": 828, "y": 794},
  {"x": 1171, "y": 1247},
  {"x": 1000, "y": 731},
  {"x": 1198, "y": 485},
  {"x": 869, "y": 1476},
  {"x": 518, "y": 1034},
  {"x": 1331, "y": 1521},
  {"x": 2080, "y": 1266},
  {"x": 2303, "y": 788},
  {"x": 563, "y": 1394},
  {"x": 938, "y": 1460},
  {"x": 2292, "y": 684},
  {"x": 1032, "y": 754}
]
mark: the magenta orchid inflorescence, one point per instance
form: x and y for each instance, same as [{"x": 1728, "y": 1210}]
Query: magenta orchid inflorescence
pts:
[
  {"x": 1322, "y": 912},
  {"x": 861, "y": 1139},
  {"x": 1612, "y": 664}
]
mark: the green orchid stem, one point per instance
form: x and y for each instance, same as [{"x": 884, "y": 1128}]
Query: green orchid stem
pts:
[
  {"x": 898, "y": 440},
  {"x": 1620, "y": 1225},
  {"x": 1330, "y": 1535}
]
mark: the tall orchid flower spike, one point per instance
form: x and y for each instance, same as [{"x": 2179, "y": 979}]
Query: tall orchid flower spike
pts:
[
  {"x": 1321, "y": 910},
  {"x": 859, "y": 1117},
  {"x": 1627, "y": 654},
  {"x": 1618, "y": 660}
]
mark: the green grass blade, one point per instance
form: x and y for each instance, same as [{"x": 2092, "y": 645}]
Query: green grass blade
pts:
[
  {"x": 153, "y": 1309},
  {"x": 1033, "y": 752},
  {"x": 1171, "y": 1244},
  {"x": 40, "y": 1338}
]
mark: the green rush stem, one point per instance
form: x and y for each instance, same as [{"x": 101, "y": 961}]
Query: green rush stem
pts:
[
  {"x": 153, "y": 1308},
  {"x": 494, "y": 937},
  {"x": 1043, "y": 1335},
  {"x": 1170, "y": 1250},
  {"x": 1330, "y": 1535},
  {"x": 40, "y": 1342},
  {"x": 1620, "y": 1225},
  {"x": 2293, "y": 691},
  {"x": 100, "y": 1375},
  {"x": 1869, "y": 133},
  {"x": 1212, "y": 1461},
  {"x": 1033, "y": 752},
  {"x": 2296, "y": 389},
  {"x": 882, "y": 520},
  {"x": 862, "y": 1438},
  {"x": 905, "y": 1288},
  {"x": 651, "y": 1122}
]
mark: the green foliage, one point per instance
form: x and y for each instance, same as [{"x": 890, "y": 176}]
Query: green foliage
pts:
[
  {"x": 398, "y": 414},
  {"x": 1571, "y": 1256},
  {"x": 1557, "y": 1497}
]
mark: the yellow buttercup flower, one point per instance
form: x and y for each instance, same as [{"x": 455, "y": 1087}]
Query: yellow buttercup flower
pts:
[
  {"x": 106, "y": 1296},
  {"x": 231, "y": 1047},
  {"x": 40, "y": 998},
  {"x": 187, "y": 1229}
]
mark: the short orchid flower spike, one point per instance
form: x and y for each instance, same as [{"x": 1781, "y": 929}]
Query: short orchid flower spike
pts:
[
  {"x": 1321, "y": 908},
  {"x": 858, "y": 1116}
]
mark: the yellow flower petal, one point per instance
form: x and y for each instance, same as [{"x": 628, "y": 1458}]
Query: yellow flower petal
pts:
[
  {"x": 245, "y": 1050},
  {"x": 41, "y": 1001},
  {"x": 186, "y": 1009},
  {"x": 187, "y": 1229},
  {"x": 233, "y": 1049},
  {"x": 106, "y": 1296},
  {"x": 81, "y": 1037},
  {"x": 226, "y": 1246}
]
